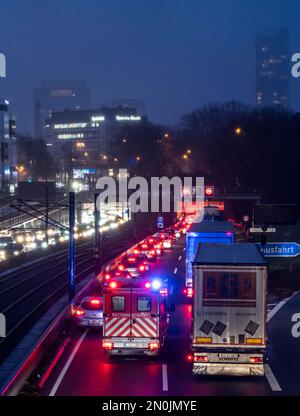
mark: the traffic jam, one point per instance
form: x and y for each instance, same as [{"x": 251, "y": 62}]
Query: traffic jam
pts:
[
  {"x": 133, "y": 307},
  {"x": 224, "y": 281}
]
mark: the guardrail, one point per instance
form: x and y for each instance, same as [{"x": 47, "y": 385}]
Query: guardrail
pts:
[{"x": 16, "y": 381}]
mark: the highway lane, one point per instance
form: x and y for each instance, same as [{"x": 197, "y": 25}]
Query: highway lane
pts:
[{"x": 84, "y": 369}]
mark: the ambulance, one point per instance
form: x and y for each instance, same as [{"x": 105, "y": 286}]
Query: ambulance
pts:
[{"x": 135, "y": 316}]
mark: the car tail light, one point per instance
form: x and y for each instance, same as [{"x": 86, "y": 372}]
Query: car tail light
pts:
[
  {"x": 113, "y": 285},
  {"x": 147, "y": 285},
  {"x": 79, "y": 312},
  {"x": 164, "y": 292},
  {"x": 151, "y": 240},
  {"x": 136, "y": 251},
  {"x": 107, "y": 276},
  {"x": 153, "y": 252},
  {"x": 108, "y": 345},
  {"x": 201, "y": 358},
  {"x": 121, "y": 267},
  {"x": 256, "y": 360},
  {"x": 142, "y": 268},
  {"x": 131, "y": 259},
  {"x": 190, "y": 357},
  {"x": 153, "y": 346},
  {"x": 144, "y": 246},
  {"x": 95, "y": 302}
]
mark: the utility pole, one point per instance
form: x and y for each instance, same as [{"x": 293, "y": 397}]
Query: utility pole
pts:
[
  {"x": 71, "y": 247},
  {"x": 97, "y": 246}
]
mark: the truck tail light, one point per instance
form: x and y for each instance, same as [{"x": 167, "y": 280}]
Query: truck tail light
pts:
[
  {"x": 142, "y": 268},
  {"x": 188, "y": 291},
  {"x": 256, "y": 360},
  {"x": 153, "y": 346},
  {"x": 108, "y": 345},
  {"x": 201, "y": 358},
  {"x": 253, "y": 341},
  {"x": 113, "y": 285}
]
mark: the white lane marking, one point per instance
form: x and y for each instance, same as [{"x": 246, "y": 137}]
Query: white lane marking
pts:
[
  {"x": 276, "y": 309},
  {"x": 271, "y": 378},
  {"x": 175, "y": 270},
  {"x": 67, "y": 365},
  {"x": 179, "y": 258},
  {"x": 165, "y": 377}
]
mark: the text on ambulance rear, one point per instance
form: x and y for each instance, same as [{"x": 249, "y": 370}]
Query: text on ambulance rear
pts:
[{"x": 229, "y": 310}]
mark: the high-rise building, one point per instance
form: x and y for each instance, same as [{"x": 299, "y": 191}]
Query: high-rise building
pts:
[
  {"x": 82, "y": 141},
  {"x": 272, "y": 67},
  {"x": 53, "y": 96},
  {"x": 8, "y": 159}
]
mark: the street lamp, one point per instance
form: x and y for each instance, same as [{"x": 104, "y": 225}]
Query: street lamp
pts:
[{"x": 238, "y": 131}]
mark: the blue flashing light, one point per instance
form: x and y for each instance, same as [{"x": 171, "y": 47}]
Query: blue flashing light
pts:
[{"x": 156, "y": 284}]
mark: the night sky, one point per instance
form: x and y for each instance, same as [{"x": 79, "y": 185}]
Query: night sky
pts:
[{"x": 174, "y": 54}]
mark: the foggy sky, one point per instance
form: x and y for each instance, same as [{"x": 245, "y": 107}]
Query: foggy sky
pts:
[{"x": 174, "y": 54}]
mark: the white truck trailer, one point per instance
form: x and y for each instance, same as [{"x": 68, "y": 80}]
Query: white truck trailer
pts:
[{"x": 229, "y": 310}]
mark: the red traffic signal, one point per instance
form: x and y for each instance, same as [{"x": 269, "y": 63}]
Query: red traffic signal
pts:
[{"x": 209, "y": 190}]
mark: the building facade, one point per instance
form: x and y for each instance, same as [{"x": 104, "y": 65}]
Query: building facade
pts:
[
  {"x": 271, "y": 69},
  {"x": 8, "y": 159},
  {"x": 53, "y": 96},
  {"x": 81, "y": 141}
]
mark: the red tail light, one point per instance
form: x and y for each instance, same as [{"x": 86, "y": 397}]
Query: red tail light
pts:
[
  {"x": 113, "y": 285},
  {"x": 131, "y": 259},
  {"x": 107, "y": 276},
  {"x": 121, "y": 267},
  {"x": 108, "y": 345},
  {"x": 95, "y": 302},
  {"x": 153, "y": 252},
  {"x": 190, "y": 357},
  {"x": 147, "y": 285},
  {"x": 256, "y": 360},
  {"x": 142, "y": 268},
  {"x": 79, "y": 312},
  {"x": 136, "y": 251},
  {"x": 189, "y": 292},
  {"x": 144, "y": 246},
  {"x": 153, "y": 346}
]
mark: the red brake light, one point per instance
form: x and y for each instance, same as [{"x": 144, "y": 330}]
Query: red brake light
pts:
[
  {"x": 79, "y": 312},
  {"x": 256, "y": 359},
  {"x": 108, "y": 345},
  {"x": 136, "y": 251},
  {"x": 145, "y": 246},
  {"x": 95, "y": 302},
  {"x": 190, "y": 357},
  {"x": 142, "y": 268},
  {"x": 113, "y": 285},
  {"x": 131, "y": 259},
  {"x": 153, "y": 346},
  {"x": 147, "y": 285},
  {"x": 121, "y": 267},
  {"x": 107, "y": 276},
  {"x": 153, "y": 252},
  {"x": 188, "y": 291}
]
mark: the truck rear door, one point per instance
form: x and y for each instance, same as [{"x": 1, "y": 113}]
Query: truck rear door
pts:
[
  {"x": 145, "y": 314},
  {"x": 229, "y": 306}
]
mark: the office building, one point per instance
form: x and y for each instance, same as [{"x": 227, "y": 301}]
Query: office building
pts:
[
  {"x": 53, "y": 96},
  {"x": 271, "y": 57},
  {"x": 81, "y": 141},
  {"x": 8, "y": 159}
]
